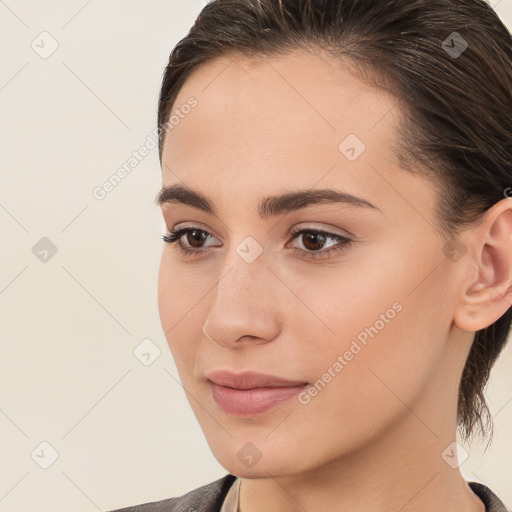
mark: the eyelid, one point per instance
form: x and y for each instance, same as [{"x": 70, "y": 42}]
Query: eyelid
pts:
[
  {"x": 192, "y": 225},
  {"x": 331, "y": 230}
]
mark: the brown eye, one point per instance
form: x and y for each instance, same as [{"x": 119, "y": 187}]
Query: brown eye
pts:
[
  {"x": 314, "y": 241},
  {"x": 194, "y": 240},
  {"x": 195, "y": 237}
]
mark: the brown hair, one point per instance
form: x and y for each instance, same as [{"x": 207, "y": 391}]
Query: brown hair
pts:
[{"x": 450, "y": 64}]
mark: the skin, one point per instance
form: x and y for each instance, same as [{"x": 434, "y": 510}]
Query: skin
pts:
[{"x": 373, "y": 437}]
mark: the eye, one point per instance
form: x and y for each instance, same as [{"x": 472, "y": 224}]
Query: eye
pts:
[
  {"x": 198, "y": 236},
  {"x": 312, "y": 239}
]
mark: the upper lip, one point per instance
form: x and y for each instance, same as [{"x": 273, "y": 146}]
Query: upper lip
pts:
[{"x": 249, "y": 380}]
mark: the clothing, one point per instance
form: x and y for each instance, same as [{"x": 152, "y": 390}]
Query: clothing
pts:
[
  {"x": 210, "y": 498},
  {"x": 232, "y": 500}
]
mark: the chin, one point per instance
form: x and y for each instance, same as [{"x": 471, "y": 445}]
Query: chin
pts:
[
  {"x": 251, "y": 456},
  {"x": 264, "y": 468}
]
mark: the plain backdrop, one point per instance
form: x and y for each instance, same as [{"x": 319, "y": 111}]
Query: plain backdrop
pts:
[{"x": 88, "y": 420}]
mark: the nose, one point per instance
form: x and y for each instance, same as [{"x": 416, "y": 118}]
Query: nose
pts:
[{"x": 245, "y": 305}]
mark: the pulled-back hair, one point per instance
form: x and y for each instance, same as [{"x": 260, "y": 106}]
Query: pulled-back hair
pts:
[{"x": 449, "y": 62}]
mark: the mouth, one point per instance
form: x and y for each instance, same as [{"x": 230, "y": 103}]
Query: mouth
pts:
[{"x": 250, "y": 393}]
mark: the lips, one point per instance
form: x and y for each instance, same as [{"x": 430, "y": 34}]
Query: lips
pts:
[
  {"x": 250, "y": 393},
  {"x": 250, "y": 380}
]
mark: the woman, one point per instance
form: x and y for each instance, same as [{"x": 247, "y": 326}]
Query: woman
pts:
[{"x": 337, "y": 280}]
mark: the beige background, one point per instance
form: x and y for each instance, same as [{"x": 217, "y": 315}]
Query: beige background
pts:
[{"x": 122, "y": 432}]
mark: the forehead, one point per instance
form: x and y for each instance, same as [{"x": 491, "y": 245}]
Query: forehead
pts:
[
  {"x": 282, "y": 101},
  {"x": 300, "y": 77},
  {"x": 280, "y": 118}
]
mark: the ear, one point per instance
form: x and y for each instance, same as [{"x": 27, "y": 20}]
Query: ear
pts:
[{"x": 486, "y": 291}]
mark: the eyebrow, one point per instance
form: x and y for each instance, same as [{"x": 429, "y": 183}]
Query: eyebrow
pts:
[{"x": 269, "y": 206}]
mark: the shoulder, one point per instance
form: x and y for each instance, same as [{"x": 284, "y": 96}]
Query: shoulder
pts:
[
  {"x": 207, "y": 498},
  {"x": 491, "y": 501}
]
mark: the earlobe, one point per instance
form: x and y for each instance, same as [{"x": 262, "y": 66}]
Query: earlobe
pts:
[{"x": 487, "y": 295}]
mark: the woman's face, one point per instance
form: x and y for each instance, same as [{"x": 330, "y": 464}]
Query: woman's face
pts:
[{"x": 361, "y": 331}]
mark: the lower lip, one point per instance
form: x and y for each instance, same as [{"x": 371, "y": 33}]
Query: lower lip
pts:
[{"x": 249, "y": 402}]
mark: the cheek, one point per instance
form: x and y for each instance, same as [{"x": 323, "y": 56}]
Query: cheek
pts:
[
  {"x": 166, "y": 291},
  {"x": 390, "y": 325},
  {"x": 179, "y": 291},
  {"x": 178, "y": 306},
  {"x": 383, "y": 299}
]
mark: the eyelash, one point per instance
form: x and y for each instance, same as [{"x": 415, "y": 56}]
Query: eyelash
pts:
[{"x": 344, "y": 242}]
